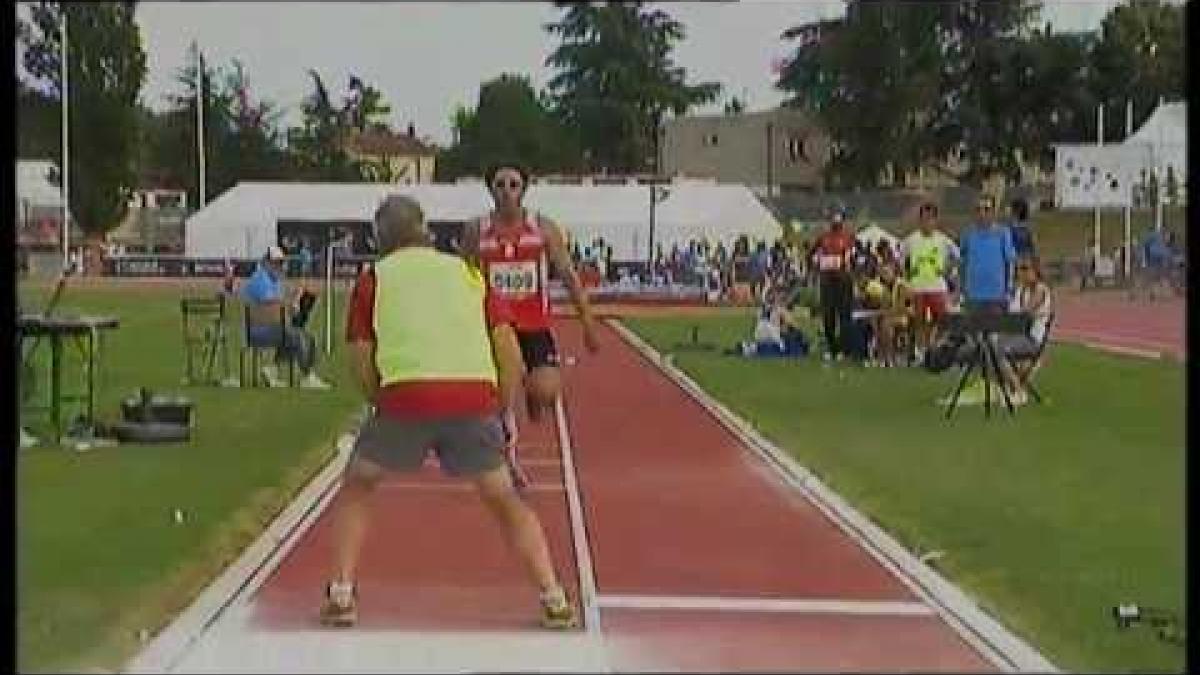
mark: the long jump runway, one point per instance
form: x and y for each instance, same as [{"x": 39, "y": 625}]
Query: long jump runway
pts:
[{"x": 685, "y": 550}]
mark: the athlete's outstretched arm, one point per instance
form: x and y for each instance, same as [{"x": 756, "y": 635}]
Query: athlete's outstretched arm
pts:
[
  {"x": 362, "y": 367},
  {"x": 560, "y": 257},
  {"x": 469, "y": 247}
]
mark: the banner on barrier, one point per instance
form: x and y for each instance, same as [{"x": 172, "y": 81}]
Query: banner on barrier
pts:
[{"x": 1088, "y": 176}]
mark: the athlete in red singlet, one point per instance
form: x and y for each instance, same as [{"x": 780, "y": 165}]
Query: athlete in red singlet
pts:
[{"x": 514, "y": 248}]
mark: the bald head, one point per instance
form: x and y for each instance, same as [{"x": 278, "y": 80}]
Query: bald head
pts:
[{"x": 400, "y": 222}]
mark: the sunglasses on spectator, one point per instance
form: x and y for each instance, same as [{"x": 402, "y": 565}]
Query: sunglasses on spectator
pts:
[{"x": 510, "y": 184}]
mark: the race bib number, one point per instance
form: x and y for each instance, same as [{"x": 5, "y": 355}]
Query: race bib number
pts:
[
  {"x": 829, "y": 263},
  {"x": 514, "y": 278}
]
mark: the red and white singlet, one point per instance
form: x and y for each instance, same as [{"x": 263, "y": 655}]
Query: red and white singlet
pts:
[{"x": 514, "y": 262}]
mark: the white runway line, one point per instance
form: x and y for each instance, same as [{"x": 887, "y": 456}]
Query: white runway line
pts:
[
  {"x": 789, "y": 605},
  {"x": 579, "y": 538}
]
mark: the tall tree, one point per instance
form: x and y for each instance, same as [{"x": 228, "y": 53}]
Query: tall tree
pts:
[
  {"x": 509, "y": 120},
  {"x": 616, "y": 79},
  {"x": 320, "y": 144},
  {"x": 1139, "y": 57},
  {"x": 106, "y": 69},
  {"x": 900, "y": 84},
  {"x": 39, "y": 124}
]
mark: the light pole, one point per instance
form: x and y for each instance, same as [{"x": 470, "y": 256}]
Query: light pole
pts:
[{"x": 66, "y": 144}]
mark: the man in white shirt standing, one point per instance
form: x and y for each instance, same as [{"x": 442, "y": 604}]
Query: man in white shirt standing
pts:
[{"x": 928, "y": 254}]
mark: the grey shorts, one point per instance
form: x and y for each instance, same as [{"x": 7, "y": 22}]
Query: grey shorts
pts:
[{"x": 466, "y": 446}]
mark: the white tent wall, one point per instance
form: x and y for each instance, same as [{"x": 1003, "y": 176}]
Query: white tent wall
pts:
[
  {"x": 1165, "y": 131},
  {"x": 243, "y": 221}
]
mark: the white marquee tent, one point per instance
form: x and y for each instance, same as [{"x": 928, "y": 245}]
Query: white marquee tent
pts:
[
  {"x": 1092, "y": 175},
  {"x": 244, "y": 221},
  {"x": 1165, "y": 132},
  {"x": 872, "y": 234}
]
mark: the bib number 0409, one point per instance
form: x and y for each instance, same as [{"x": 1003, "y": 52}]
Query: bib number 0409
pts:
[{"x": 514, "y": 278}]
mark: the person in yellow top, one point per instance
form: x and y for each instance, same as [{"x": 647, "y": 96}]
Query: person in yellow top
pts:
[
  {"x": 895, "y": 309},
  {"x": 437, "y": 362}
]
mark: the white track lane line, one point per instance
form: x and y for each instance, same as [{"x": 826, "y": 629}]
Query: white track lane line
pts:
[
  {"x": 457, "y": 487},
  {"x": 790, "y": 605},
  {"x": 579, "y": 538}
]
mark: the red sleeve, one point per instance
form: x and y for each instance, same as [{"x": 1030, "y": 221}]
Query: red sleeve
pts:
[
  {"x": 360, "y": 319},
  {"x": 495, "y": 312}
]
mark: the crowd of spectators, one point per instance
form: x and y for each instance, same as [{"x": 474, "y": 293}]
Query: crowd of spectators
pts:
[{"x": 880, "y": 303}]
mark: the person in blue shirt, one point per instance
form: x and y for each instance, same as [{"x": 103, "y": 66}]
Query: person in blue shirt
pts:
[
  {"x": 1156, "y": 259},
  {"x": 988, "y": 257},
  {"x": 263, "y": 297},
  {"x": 1019, "y": 228}
]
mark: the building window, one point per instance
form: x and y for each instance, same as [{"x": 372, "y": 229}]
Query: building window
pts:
[{"x": 795, "y": 149}]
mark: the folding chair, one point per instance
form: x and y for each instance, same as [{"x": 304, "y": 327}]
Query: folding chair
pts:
[
  {"x": 256, "y": 353},
  {"x": 204, "y": 339},
  {"x": 1035, "y": 357}
]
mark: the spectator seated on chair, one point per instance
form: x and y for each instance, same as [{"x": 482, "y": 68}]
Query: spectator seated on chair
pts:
[
  {"x": 263, "y": 297},
  {"x": 890, "y": 294},
  {"x": 776, "y": 331},
  {"x": 1033, "y": 297}
]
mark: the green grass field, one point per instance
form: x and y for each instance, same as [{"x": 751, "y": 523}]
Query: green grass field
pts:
[
  {"x": 1047, "y": 520},
  {"x": 99, "y": 555}
]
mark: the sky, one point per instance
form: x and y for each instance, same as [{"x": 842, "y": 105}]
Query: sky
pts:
[{"x": 429, "y": 57}]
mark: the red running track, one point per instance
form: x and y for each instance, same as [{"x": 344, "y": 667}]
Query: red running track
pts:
[
  {"x": 1111, "y": 319},
  {"x": 703, "y": 559}
]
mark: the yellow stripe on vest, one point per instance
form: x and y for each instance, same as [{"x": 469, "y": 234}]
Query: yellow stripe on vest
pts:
[{"x": 429, "y": 322}]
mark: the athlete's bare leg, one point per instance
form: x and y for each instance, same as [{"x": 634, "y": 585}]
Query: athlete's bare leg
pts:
[
  {"x": 361, "y": 478},
  {"x": 520, "y": 524},
  {"x": 542, "y": 387}
]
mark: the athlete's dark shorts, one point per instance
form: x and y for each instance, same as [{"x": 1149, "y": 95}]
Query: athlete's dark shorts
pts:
[{"x": 538, "y": 348}]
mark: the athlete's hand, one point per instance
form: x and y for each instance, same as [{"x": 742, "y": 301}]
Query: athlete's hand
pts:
[{"x": 590, "y": 339}]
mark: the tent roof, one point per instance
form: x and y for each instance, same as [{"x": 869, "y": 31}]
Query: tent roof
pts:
[
  {"x": 1166, "y": 126},
  {"x": 690, "y": 210},
  {"x": 874, "y": 233}
]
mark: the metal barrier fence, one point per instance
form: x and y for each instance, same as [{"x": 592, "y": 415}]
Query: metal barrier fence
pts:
[{"x": 154, "y": 265}]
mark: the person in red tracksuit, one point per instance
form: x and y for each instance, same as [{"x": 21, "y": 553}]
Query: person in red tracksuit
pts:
[
  {"x": 831, "y": 259},
  {"x": 514, "y": 248}
]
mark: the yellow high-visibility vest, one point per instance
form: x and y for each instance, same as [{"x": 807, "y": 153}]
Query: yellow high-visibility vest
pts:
[{"x": 429, "y": 321}]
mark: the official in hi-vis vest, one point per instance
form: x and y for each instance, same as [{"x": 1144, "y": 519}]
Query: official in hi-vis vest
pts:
[{"x": 437, "y": 362}]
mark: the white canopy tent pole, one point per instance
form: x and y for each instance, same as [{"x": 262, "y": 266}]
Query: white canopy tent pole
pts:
[
  {"x": 328, "y": 295},
  {"x": 65, "y": 173},
  {"x": 1158, "y": 187},
  {"x": 200, "y": 120},
  {"x": 1129, "y": 208},
  {"x": 1096, "y": 209}
]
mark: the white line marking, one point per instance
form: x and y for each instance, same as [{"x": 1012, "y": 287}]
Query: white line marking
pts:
[
  {"x": 796, "y": 605},
  {"x": 242, "y": 578},
  {"x": 1124, "y": 351},
  {"x": 579, "y": 538},
  {"x": 988, "y": 636},
  {"x": 458, "y": 487}
]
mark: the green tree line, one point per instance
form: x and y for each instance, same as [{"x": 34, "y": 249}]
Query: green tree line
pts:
[{"x": 978, "y": 86}]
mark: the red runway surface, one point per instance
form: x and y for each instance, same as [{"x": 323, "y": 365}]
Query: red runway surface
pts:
[
  {"x": 1111, "y": 319},
  {"x": 703, "y": 559}
]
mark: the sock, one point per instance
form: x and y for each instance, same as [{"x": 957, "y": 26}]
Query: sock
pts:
[
  {"x": 553, "y": 596},
  {"x": 341, "y": 592}
]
